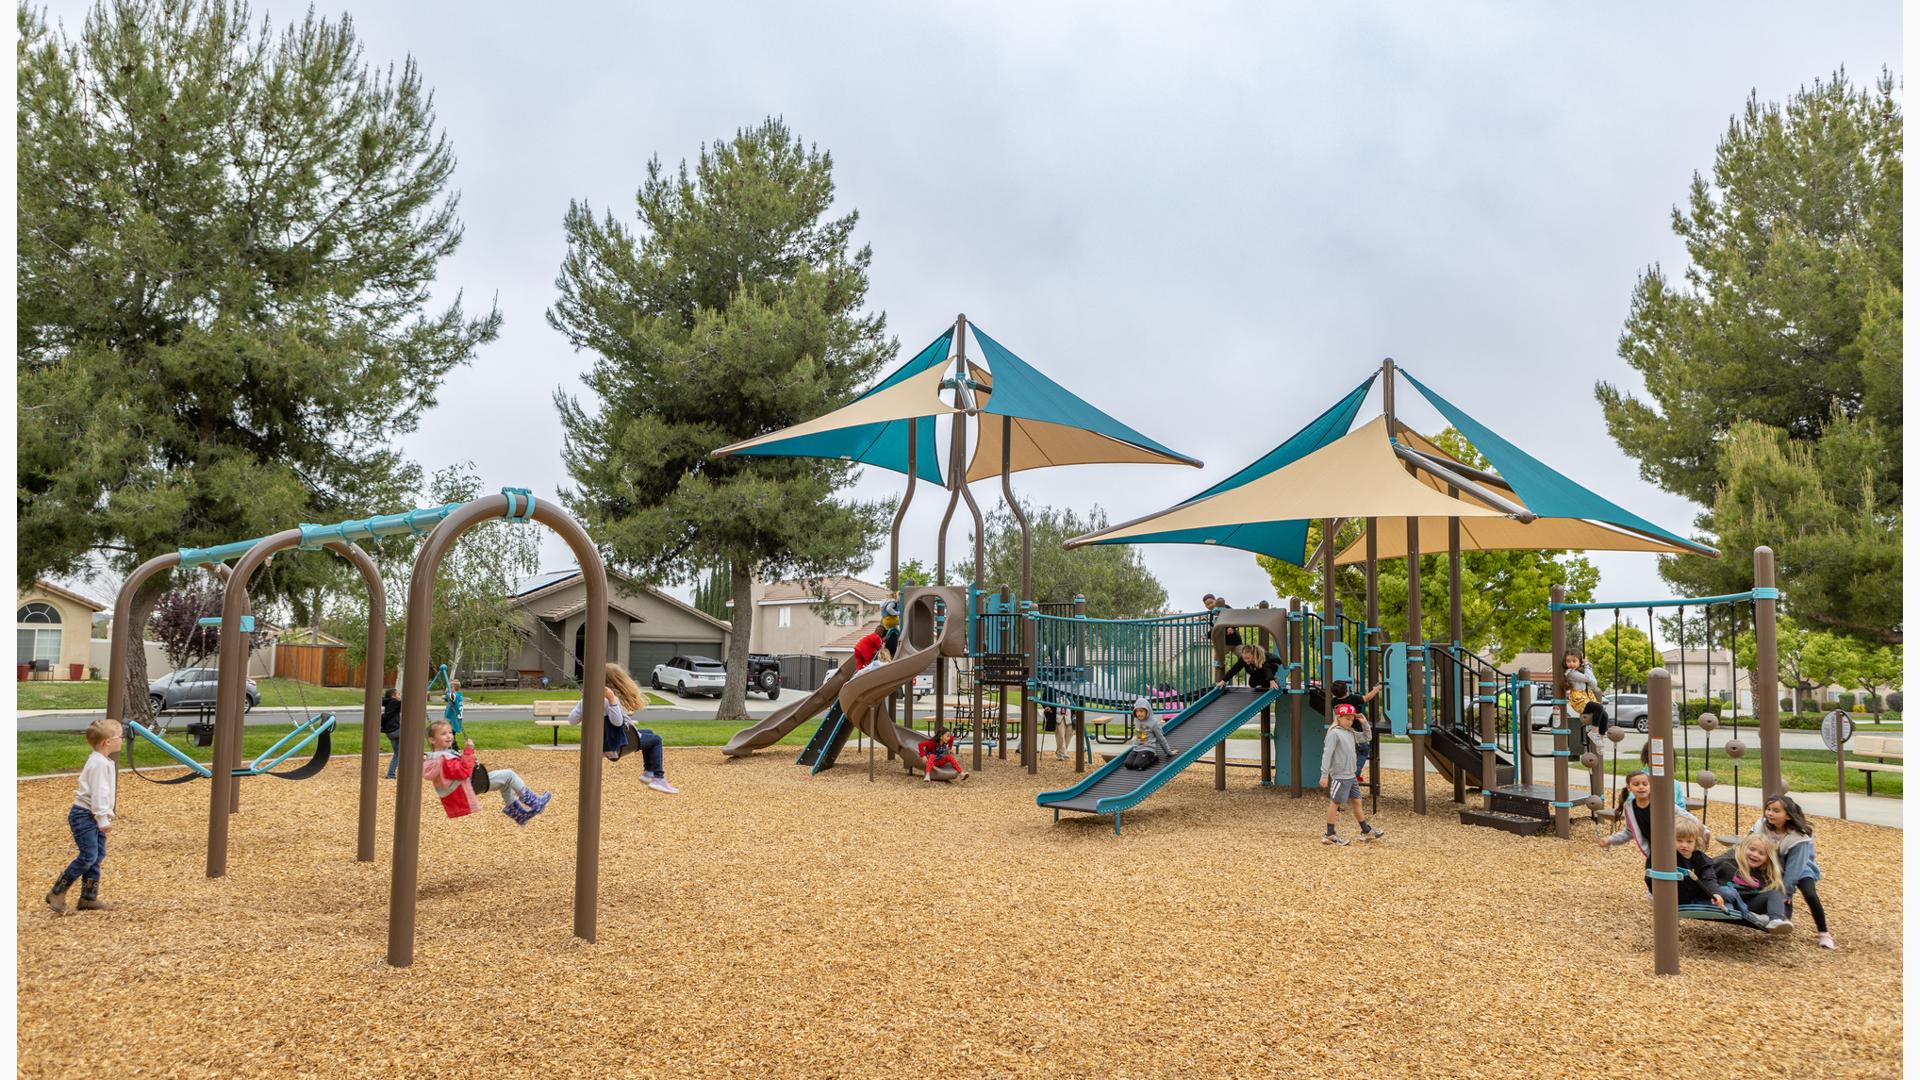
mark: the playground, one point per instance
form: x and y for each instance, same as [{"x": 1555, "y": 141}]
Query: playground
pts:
[{"x": 770, "y": 924}]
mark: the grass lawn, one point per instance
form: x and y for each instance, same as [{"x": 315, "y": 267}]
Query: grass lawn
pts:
[
  {"x": 1805, "y": 770},
  {"x": 42, "y": 752},
  {"x": 274, "y": 693}
]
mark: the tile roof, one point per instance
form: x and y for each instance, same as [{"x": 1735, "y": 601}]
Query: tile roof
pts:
[
  {"x": 847, "y": 641},
  {"x": 831, "y": 587}
]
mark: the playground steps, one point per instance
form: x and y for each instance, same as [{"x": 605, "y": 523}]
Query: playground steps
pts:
[
  {"x": 810, "y": 754},
  {"x": 828, "y": 753},
  {"x": 1521, "y": 809},
  {"x": 1457, "y": 756},
  {"x": 1517, "y": 824}
]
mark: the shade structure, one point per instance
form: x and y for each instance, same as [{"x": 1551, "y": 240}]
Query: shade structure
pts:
[
  {"x": 1356, "y": 475},
  {"x": 1050, "y": 425},
  {"x": 1545, "y": 492},
  {"x": 872, "y": 428},
  {"x": 1503, "y": 533}
]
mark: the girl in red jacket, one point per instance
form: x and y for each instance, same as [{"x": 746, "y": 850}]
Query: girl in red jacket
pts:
[
  {"x": 451, "y": 775},
  {"x": 937, "y": 752}
]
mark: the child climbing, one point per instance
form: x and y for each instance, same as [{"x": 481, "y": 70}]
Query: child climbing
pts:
[
  {"x": 1341, "y": 779},
  {"x": 1783, "y": 822},
  {"x": 450, "y": 772},
  {"x": 620, "y": 736},
  {"x": 1262, "y": 669},
  {"x": 937, "y": 753},
  {"x": 90, "y": 818},
  {"x": 1583, "y": 696},
  {"x": 1750, "y": 877}
]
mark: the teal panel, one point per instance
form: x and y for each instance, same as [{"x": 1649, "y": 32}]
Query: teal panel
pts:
[
  {"x": 1313, "y": 740},
  {"x": 1393, "y": 701},
  {"x": 1342, "y": 663},
  {"x": 1546, "y": 492}
]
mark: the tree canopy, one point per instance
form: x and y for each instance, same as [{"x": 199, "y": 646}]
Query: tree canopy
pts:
[
  {"x": 227, "y": 241},
  {"x": 1772, "y": 371},
  {"x": 1116, "y": 583},
  {"x": 735, "y": 308}
]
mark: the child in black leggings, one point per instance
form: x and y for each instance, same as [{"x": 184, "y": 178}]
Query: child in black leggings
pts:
[{"x": 1783, "y": 822}]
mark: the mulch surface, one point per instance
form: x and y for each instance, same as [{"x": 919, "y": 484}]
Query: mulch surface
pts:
[{"x": 762, "y": 923}]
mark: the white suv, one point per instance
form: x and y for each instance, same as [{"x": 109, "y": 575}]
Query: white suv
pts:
[{"x": 691, "y": 675}]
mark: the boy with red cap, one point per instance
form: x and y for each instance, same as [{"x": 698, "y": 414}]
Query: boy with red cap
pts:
[{"x": 1339, "y": 774}]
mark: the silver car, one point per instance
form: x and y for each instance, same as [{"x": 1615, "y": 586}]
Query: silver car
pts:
[{"x": 190, "y": 688}]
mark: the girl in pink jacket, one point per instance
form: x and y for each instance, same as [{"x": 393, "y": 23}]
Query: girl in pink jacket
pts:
[{"x": 450, "y": 773}]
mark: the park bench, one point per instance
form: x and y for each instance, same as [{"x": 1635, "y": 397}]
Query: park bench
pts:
[
  {"x": 553, "y": 714},
  {"x": 1878, "y": 747}
]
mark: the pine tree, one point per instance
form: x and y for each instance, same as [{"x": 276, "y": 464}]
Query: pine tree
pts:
[
  {"x": 733, "y": 310},
  {"x": 1772, "y": 374},
  {"x": 227, "y": 237}
]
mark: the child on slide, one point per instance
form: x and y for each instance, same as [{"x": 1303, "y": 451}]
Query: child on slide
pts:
[
  {"x": 450, "y": 772},
  {"x": 936, "y": 753}
]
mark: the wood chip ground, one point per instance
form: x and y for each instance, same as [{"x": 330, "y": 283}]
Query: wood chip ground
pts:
[{"x": 766, "y": 924}]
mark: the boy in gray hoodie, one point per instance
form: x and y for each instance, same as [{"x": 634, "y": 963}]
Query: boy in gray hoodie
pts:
[{"x": 1339, "y": 774}]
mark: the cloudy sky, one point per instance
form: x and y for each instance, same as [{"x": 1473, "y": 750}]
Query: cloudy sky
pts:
[{"x": 1209, "y": 225}]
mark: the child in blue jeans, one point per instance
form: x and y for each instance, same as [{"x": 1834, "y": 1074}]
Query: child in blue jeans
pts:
[{"x": 91, "y": 818}]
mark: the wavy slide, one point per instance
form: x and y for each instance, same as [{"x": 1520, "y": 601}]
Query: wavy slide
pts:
[
  {"x": 776, "y": 726},
  {"x": 864, "y": 696}
]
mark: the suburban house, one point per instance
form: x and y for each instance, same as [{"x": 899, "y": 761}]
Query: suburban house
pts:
[
  {"x": 644, "y": 627},
  {"x": 54, "y": 626},
  {"x": 820, "y": 617}
]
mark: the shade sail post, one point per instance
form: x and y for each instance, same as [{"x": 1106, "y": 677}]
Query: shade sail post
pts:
[
  {"x": 900, "y": 514},
  {"x": 1028, "y": 740},
  {"x": 1372, "y": 652}
]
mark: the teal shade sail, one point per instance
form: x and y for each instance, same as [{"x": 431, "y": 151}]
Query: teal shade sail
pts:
[
  {"x": 1543, "y": 490},
  {"x": 872, "y": 429}
]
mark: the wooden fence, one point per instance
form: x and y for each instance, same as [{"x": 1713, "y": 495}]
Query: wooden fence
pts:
[{"x": 325, "y": 665}]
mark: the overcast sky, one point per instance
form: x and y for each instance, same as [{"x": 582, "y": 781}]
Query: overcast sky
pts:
[{"x": 1209, "y": 224}]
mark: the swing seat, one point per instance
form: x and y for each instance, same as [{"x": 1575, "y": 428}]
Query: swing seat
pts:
[{"x": 1710, "y": 913}]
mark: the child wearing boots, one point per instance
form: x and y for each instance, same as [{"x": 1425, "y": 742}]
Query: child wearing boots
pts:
[
  {"x": 450, "y": 773},
  {"x": 91, "y": 818}
]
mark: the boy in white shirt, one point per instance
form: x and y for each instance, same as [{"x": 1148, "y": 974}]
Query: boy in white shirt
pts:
[{"x": 90, "y": 819}]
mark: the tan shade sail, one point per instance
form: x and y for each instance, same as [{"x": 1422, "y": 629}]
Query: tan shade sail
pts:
[
  {"x": 1040, "y": 444},
  {"x": 1493, "y": 534},
  {"x": 1357, "y": 475},
  {"x": 911, "y": 398}
]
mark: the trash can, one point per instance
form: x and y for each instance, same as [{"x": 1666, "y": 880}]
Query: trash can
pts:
[
  {"x": 22, "y": 669},
  {"x": 76, "y": 672}
]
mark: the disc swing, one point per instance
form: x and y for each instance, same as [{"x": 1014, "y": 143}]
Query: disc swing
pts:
[{"x": 315, "y": 731}]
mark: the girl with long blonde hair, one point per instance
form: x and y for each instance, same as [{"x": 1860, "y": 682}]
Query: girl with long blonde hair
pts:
[{"x": 622, "y": 737}]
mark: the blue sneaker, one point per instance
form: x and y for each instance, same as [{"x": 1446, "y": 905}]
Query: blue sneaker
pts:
[
  {"x": 517, "y": 812},
  {"x": 535, "y": 803}
]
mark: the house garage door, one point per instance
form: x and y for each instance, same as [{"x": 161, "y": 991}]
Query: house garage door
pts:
[{"x": 643, "y": 655}]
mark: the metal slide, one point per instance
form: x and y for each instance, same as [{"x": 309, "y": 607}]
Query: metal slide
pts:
[
  {"x": 1113, "y": 788},
  {"x": 776, "y": 726}
]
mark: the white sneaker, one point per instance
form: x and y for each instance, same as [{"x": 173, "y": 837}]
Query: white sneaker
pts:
[
  {"x": 1826, "y": 941},
  {"x": 659, "y": 783},
  {"x": 1779, "y": 926}
]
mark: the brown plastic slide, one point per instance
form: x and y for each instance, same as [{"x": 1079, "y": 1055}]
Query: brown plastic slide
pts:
[
  {"x": 775, "y": 726},
  {"x": 864, "y": 696}
]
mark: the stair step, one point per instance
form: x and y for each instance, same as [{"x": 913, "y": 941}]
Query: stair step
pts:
[
  {"x": 1517, "y": 824},
  {"x": 1511, "y": 802}
]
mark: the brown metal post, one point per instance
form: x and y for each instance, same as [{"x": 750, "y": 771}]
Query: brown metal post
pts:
[
  {"x": 413, "y": 717},
  {"x": 1416, "y": 668},
  {"x": 1524, "y": 718},
  {"x": 900, "y": 512},
  {"x": 1373, "y": 659},
  {"x": 1266, "y": 724},
  {"x": 1562, "y": 745},
  {"x": 1329, "y": 619},
  {"x": 1766, "y": 674},
  {"x": 1029, "y": 716},
  {"x": 1295, "y": 679},
  {"x": 230, "y": 695},
  {"x": 376, "y": 682},
  {"x": 1489, "y": 758},
  {"x": 1666, "y": 891}
]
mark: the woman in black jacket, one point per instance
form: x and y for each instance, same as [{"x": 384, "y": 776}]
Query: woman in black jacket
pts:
[
  {"x": 1262, "y": 668},
  {"x": 390, "y": 726}
]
